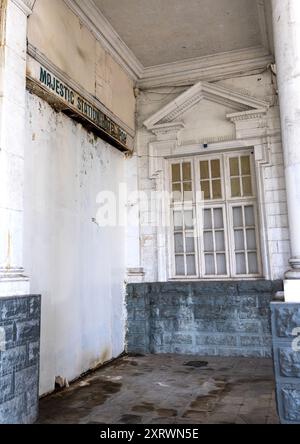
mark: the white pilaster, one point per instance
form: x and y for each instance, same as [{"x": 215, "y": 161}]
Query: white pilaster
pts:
[
  {"x": 12, "y": 135},
  {"x": 135, "y": 272},
  {"x": 286, "y": 23}
]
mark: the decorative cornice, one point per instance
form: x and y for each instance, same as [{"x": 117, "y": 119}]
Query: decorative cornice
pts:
[
  {"x": 210, "y": 68},
  {"x": 241, "y": 102},
  {"x": 95, "y": 21},
  {"x": 167, "y": 128},
  {"x": 26, "y": 6},
  {"x": 247, "y": 115}
]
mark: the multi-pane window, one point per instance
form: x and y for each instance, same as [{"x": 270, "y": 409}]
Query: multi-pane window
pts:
[
  {"x": 210, "y": 179},
  {"x": 184, "y": 239},
  {"x": 182, "y": 181},
  {"x": 245, "y": 240},
  {"x": 217, "y": 235},
  {"x": 214, "y": 242},
  {"x": 184, "y": 242},
  {"x": 240, "y": 176}
]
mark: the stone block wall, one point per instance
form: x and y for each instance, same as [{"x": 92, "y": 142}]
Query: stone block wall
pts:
[
  {"x": 19, "y": 359},
  {"x": 286, "y": 342},
  {"x": 205, "y": 318}
]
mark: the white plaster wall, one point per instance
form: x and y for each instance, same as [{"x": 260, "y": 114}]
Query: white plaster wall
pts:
[
  {"x": 78, "y": 267},
  {"x": 206, "y": 121}
]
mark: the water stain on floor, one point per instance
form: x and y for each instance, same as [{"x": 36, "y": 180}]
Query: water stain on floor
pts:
[
  {"x": 162, "y": 389},
  {"x": 77, "y": 401}
]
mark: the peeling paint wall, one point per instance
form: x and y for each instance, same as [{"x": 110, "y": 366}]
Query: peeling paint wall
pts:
[
  {"x": 57, "y": 33},
  {"x": 77, "y": 267}
]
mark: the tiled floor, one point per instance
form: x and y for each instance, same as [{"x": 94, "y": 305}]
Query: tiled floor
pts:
[{"x": 163, "y": 390}]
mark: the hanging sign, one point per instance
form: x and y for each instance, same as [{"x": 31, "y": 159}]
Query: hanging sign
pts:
[{"x": 62, "y": 97}]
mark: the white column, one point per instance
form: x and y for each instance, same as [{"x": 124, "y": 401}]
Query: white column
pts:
[
  {"x": 286, "y": 24},
  {"x": 14, "y": 15}
]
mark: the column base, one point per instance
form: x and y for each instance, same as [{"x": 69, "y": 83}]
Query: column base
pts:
[
  {"x": 135, "y": 275},
  {"x": 292, "y": 282},
  {"x": 13, "y": 282},
  {"x": 292, "y": 291}
]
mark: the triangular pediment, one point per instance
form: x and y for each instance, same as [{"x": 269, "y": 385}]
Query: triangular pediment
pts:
[{"x": 238, "y": 101}]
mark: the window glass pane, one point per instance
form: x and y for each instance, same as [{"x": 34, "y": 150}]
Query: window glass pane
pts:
[
  {"x": 237, "y": 217},
  {"x": 240, "y": 263},
  {"x": 234, "y": 167},
  {"x": 209, "y": 264},
  {"x": 221, "y": 264},
  {"x": 218, "y": 218},
  {"x": 253, "y": 263},
  {"x": 178, "y": 221},
  {"x": 235, "y": 188},
  {"x": 179, "y": 243},
  {"x": 249, "y": 216},
  {"x": 217, "y": 189},
  {"x": 191, "y": 265},
  {"x": 220, "y": 241},
  {"x": 187, "y": 171},
  {"x": 251, "y": 240},
  {"x": 247, "y": 186},
  {"x": 205, "y": 188},
  {"x": 239, "y": 240},
  {"x": 208, "y": 241},
  {"x": 246, "y": 168},
  {"x": 215, "y": 168},
  {"x": 187, "y": 186},
  {"x": 204, "y": 170},
  {"x": 179, "y": 262},
  {"x": 207, "y": 219},
  {"x": 188, "y": 220},
  {"x": 187, "y": 191},
  {"x": 190, "y": 243},
  {"x": 176, "y": 187},
  {"x": 176, "y": 176}
]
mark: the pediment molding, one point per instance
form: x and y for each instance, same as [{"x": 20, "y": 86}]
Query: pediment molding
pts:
[
  {"x": 246, "y": 106},
  {"x": 247, "y": 115}
]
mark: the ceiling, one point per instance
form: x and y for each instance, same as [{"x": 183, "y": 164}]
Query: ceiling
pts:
[{"x": 164, "y": 31}]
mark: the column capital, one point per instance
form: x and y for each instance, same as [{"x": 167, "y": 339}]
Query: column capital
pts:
[{"x": 26, "y": 6}]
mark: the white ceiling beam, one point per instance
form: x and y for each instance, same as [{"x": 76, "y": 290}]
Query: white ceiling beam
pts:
[{"x": 263, "y": 24}]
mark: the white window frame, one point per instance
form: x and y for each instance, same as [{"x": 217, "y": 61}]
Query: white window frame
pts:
[
  {"x": 227, "y": 202},
  {"x": 257, "y": 237},
  {"x": 182, "y": 206}
]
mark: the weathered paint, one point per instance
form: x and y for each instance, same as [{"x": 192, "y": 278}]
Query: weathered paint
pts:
[
  {"x": 78, "y": 267},
  {"x": 63, "y": 97},
  {"x": 57, "y": 33}
]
